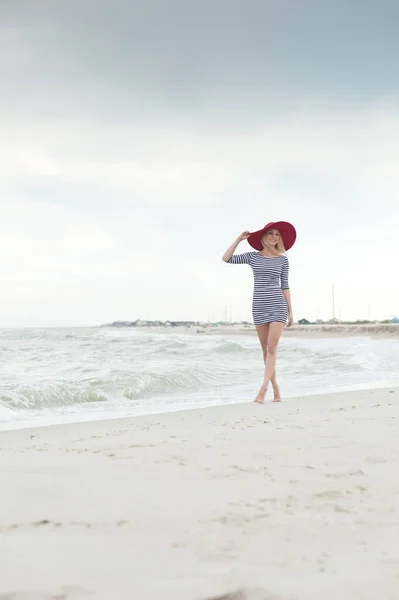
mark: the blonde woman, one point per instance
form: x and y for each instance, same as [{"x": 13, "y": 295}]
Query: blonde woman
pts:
[{"x": 271, "y": 304}]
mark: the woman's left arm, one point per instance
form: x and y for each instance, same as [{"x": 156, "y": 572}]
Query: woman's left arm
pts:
[
  {"x": 286, "y": 290},
  {"x": 287, "y": 296}
]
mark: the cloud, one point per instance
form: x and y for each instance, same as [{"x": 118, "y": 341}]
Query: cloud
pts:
[
  {"x": 176, "y": 166},
  {"x": 152, "y": 249},
  {"x": 138, "y": 139},
  {"x": 214, "y": 61}
]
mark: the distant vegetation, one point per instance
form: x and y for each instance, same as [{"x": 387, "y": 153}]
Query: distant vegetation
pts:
[
  {"x": 357, "y": 322},
  {"x": 206, "y": 324}
]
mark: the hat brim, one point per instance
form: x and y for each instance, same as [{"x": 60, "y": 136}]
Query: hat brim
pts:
[{"x": 287, "y": 232}]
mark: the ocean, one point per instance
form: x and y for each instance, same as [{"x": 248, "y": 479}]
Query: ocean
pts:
[{"x": 51, "y": 376}]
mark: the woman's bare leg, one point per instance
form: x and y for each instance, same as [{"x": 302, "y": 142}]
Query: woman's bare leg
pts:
[
  {"x": 263, "y": 333},
  {"x": 273, "y": 338}
]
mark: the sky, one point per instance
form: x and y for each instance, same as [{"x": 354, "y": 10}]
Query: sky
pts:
[{"x": 138, "y": 140}]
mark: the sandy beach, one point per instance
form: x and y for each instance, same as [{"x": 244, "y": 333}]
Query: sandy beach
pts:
[{"x": 298, "y": 500}]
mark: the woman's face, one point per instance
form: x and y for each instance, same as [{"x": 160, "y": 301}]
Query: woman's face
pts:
[{"x": 272, "y": 237}]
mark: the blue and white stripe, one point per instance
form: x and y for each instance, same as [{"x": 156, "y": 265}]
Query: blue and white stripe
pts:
[{"x": 270, "y": 279}]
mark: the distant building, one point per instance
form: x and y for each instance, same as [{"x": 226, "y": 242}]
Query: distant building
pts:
[
  {"x": 395, "y": 320},
  {"x": 303, "y": 322}
]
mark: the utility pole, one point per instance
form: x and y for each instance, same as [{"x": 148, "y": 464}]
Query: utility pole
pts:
[{"x": 333, "y": 302}]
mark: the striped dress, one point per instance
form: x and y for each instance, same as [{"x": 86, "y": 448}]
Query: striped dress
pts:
[{"x": 270, "y": 278}]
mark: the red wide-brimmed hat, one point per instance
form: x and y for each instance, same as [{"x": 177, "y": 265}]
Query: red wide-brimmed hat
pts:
[{"x": 287, "y": 232}]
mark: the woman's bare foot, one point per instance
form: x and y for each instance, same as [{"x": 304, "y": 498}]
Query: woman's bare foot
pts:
[
  {"x": 260, "y": 398},
  {"x": 277, "y": 397}
]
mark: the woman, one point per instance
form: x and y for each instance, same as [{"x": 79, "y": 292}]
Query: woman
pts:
[{"x": 271, "y": 305}]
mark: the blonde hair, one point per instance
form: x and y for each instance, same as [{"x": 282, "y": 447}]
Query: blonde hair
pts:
[{"x": 278, "y": 250}]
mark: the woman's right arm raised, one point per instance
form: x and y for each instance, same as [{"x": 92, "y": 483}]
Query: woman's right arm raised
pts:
[{"x": 230, "y": 251}]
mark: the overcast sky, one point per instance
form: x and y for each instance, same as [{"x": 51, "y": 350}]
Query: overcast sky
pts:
[{"x": 138, "y": 139}]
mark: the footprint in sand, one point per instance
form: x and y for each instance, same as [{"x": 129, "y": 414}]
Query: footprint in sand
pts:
[
  {"x": 354, "y": 473},
  {"x": 67, "y": 593},
  {"x": 243, "y": 595},
  {"x": 331, "y": 494},
  {"x": 375, "y": 460}
]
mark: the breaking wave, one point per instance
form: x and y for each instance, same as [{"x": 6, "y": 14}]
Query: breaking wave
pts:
[{"x": 63, "y": 373}]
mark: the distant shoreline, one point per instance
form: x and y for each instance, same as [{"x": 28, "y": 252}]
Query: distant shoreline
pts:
[{"x": 388, "y": 330}]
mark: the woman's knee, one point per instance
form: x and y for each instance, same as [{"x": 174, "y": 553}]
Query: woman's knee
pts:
[{"x": 271, "y": 348}]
